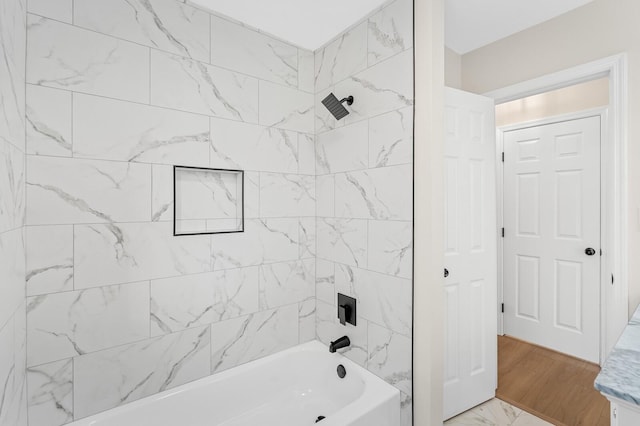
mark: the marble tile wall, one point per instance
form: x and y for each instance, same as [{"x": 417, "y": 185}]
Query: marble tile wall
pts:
[
  {"x": 13, "y": 385},
  {"x": 364, "y": 193},
  {"x": 117, "y": 308},
  {"x": 115, "y": 95}
]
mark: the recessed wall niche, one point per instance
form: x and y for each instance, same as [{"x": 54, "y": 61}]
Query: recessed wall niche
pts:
[{"x": 207, "y": 201}]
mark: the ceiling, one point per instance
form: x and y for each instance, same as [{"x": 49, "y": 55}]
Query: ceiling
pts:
[
  {"x": 470, "y": 24},
  {"x": 306, "y": 23}
]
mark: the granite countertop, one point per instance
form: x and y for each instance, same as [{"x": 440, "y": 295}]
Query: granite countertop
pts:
[{"x": 620, "y": 375}]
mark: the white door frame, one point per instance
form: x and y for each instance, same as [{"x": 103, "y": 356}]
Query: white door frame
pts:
[
  {"x": 605, "y": 280},
  {"x": 614, "y": 262}
]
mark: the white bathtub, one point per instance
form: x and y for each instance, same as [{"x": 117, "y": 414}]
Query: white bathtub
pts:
[{"x": 290, "y": 388}]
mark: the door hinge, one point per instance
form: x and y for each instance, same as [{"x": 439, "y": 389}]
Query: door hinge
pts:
[
  {"x": 600, "y": 252},
  {"x": 502, "y": 308},
  {"x": 502, "y": 232},
  {"x": 503, "y": 156},
  {"x": 612, "y": 280}
]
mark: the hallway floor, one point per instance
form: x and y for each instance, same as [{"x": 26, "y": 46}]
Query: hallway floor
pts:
[
  {"x": 550, "y": 385},
  {"x": 537, "y": 387}
]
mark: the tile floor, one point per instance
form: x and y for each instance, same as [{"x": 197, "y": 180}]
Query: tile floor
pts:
[{"x": 496, "y": 413}]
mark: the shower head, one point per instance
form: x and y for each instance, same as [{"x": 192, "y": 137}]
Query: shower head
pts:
[{"x": 335, "y": 106}]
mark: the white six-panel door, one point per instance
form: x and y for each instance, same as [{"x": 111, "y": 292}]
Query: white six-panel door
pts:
[
  {"x": 551, "y": 219},
  {"x": 470, "y": 375}
]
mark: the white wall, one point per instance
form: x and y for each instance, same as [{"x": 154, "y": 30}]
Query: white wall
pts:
[
  {"x": 597, "y": 30},
  {"x": 364, "y": 193},
  {"x": 429, "y": 299},
  {"x": 119, "y": 308},
  {"x": 578, "y": 97},
  {"x": 12, "y": 209},
  {"x": 452, "y": 69}
]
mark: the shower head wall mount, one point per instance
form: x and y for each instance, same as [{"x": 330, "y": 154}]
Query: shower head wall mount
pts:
[{"x": 335, "y": 106}]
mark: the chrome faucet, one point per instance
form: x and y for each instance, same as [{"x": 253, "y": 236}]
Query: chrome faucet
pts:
[{"x": 342, "y": 342}]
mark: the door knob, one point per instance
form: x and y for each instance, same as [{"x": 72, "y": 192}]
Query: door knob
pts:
[
  {"x": 446, "y": 272},
  {"x": 590, "y": 251}
]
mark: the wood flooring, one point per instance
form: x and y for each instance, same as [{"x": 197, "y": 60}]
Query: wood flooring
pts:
[{"x": 553, "y": 386}]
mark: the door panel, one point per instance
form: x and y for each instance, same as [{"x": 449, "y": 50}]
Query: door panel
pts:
[
  {"x": 470, "y": 252},
  {"x": 551, "y": 215}
]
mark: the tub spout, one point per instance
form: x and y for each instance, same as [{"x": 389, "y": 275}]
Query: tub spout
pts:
[{"x": 342, "y": 342}]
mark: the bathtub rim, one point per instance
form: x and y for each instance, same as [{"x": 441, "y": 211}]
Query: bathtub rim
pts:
[{"x": 376, "y": 391}]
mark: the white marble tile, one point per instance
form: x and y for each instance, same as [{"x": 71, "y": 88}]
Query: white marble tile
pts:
[
  {"x": 287, "y": 195},
  {"x": 48, "y": 121},
  {"x": 286, "y": 108},
  {"x": 244, "y": 339},
  {"x": 251, "y": 195},
  {"x": 263, "y": 241},
  {"x": 72, "y": 58},
  {"x": 286, "y": 283},
  {"x": 325, "y": 281},
  {"x": 325, "y": 196},
  {"x": 60, "y": 10},
  {"x": 391, "y": 138},
  {"x": 188, "y": 85},
  {"x": 469, "y": 418},
  {"x": 382, "y": 299},
  {"x": 498, "y": 412},
  {"x": 163, "y": 24},
  {"x": 241, "y": 49},
  {"x": 201, "y": 299},
  {"x": 308, "y": 237},
  {"x": 343, "y": 240},
  {"x": 50, "y": 393},
  {"x": 128, "y": 252},
  {"x": 12, "y": 190},
  {"x": 115, "y": 130},
  {"x": 526, "y": 419},
  {"x": 116, "y": 376},
  {"x": 390, "y": 31},
  {"x": 12, "y": 273},
  {"x": 13, "y": 372},
  {"x": 12, "y": 70},
  {"x": 343, "y": 149},
  {"x": 406, "y": 410},
  {"x": 330, "y": 329},
  {"x": 306, "y": 71},
  {"x": 211, "y": 195},
  {"x": 341, "y": 58},
  {"x": 162, "y": 193},
  {"x": 64, "y": 325},
  {"x": 108, "y": 191},
  {"x": 390, "y": 247},
  {"x": 49, "y": 259},
  {"x": 389, "y": 357},
  {"x": 384, "y": 87},
  {"x": 306, "y": 154},
  {"x": 382, "y": 193},
  {"x": 307, "y": 320},
  {"x": 162, "y": 198},
  {"x": 252, "y": 147}
]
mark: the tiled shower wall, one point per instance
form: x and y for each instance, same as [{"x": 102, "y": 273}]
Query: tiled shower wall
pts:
[
  {"x": 117, "y": 92},
  {"x": 365, "y": 192},
  {"x": 13, "y": 406}
]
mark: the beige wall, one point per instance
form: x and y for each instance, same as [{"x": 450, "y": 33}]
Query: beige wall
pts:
[
  {"x": 597, "y": 30},
  {"x": 579, "y": 97},
  {"x": 428, "y": 305},
  {"x": 452, "y": 69}
]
